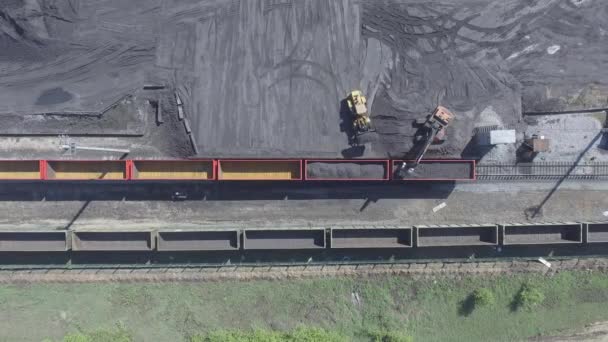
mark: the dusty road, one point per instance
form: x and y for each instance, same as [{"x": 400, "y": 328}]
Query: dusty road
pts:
[{"x": 240, "y": 206}]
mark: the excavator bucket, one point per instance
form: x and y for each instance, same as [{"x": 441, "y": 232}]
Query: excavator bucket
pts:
[
  {"x": 443, "y": 115},
  {"x": 360, "y": 108}
]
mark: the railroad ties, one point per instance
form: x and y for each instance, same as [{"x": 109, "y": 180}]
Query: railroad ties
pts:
[{"x": 542, "y": 171}]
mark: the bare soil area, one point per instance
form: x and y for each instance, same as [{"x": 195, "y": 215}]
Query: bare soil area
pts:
[{"x": 596, "y": 332}]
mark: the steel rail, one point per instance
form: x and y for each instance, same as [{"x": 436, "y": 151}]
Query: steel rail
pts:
[
  {"x": 108, "y": 268},
  {"x": 542, "y": 171}
]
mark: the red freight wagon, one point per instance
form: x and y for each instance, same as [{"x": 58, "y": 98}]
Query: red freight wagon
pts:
[
  {"x": 347, "y": 169},
  {"x": 191, "y": 169},
  {"x": 85, "y": 170},
  {"x": 435, "y": 170},
  {"x": 21, "y": 169},
  {"x": 259, "y": 169}
]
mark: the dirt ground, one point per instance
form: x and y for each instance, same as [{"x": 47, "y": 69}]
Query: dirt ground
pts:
[
  {"x": 266, "y": 78},
  {"x": 597, "y": 332},
  {"x": 248, "y": 206},
  {"x": 129, "y": 124}
]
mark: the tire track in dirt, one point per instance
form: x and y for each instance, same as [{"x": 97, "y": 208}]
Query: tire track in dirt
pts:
[{"x": 64, "y": 69}]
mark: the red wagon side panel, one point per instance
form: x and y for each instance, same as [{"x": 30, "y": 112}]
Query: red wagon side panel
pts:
[
  {"x": 20, "y": 169},
  {"x": 99, "y": 170},
  {"x": 259, "y": 169},
  {"x": 189, "y": 169},
  {"x": 437, "y": 170}
]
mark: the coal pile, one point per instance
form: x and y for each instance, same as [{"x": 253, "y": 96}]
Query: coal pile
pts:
[
  {"x": 266, "y": 78},
  {"x": 344, "y": 170},
  {"x": 443, "y": 170}
]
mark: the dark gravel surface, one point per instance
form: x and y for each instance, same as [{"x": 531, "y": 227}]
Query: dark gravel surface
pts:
[{"x": 266, "y": 78}]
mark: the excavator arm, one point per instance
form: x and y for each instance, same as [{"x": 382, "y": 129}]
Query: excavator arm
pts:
[{"x": 435, "y": 125}]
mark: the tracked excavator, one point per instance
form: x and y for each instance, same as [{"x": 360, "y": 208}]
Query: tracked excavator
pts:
[
  {"x": 432, "y": 131},
  {"x": 357, "y": 104}
]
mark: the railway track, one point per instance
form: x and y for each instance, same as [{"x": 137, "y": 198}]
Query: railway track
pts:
[
  {"x": 542, "y": 171},
  {"x": 418, "y": 268}
]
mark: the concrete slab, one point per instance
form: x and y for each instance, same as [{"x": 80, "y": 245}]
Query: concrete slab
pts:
[{"x": 496, "y": 137}]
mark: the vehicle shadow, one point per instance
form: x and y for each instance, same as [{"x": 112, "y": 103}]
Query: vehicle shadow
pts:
[
  {"x": 467, "y": 306},
  {"x": 346, "y": 123},
  {"x": 295, "y": 256},
  {"x": 353, "y": 152}
]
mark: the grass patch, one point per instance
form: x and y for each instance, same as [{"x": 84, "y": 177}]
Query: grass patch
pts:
[
  {"x": 482, "y": 297},
  {"x": 528, "y": 298},
  {"x": 118, "y": 334},
  {"x": 362, "y": 309},
  {"x": 302, "y": 334}
]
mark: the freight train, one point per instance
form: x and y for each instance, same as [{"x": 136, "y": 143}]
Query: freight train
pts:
[
  {"x": 234, "y": 170},
  {"x": 293, "y": 239}
]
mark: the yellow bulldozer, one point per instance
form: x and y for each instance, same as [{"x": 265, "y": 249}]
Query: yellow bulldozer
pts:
[{"x": 357, "y": 104}]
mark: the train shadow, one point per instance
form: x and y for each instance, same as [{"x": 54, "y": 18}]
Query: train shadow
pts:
[
  {"x": 221, "y": 191},
  {"x": 300, "y": 257}
]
